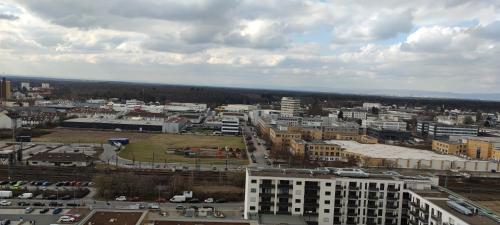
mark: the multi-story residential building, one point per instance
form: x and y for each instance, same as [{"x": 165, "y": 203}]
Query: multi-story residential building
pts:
[
  {"x": 351, "y": 197},
  {"x": 449, "y": 147},
  {"x": 5, "y": 89},
  {"x": 230, "y": 125},
  {"x": 326, "y": 198},
  {"x": 438, "y": 130},
  {"x": 281, "y": 137},
  {"x": 316, "y": 150},
  {"x": 355, "y": 113},
  {"x": 290, "y": 106}
]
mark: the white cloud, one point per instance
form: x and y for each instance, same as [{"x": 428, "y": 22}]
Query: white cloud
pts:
[{"x": 295, "y": 44}]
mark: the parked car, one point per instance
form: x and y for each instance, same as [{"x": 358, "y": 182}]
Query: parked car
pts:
[
  {"x": 5, "y": 203},
  {"x": 28, "y": 210},
  {"x": 220, "y": 200},
  {"x": 55, "y": 204},
  {"x": 179, "y": 207},
  {"x": 154, "y": 206},
  {"x": 66, "y": 197},
  {"x": 43, "y": 211},
  {"x": 209, "y": 200},
  {"x": 121, "y": 198},
  {"x": 57, "y": 211},
  {"x": 23, "y": 203},
  {"x": 66, "y": 219},
  {"x": 194, "y": 200},
  {"x": 38, "y": 204}
]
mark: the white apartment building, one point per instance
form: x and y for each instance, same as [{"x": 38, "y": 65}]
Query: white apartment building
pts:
[
  {"x": 230, "y": 125},
  {"x": 342, "y": 197},
  {"x": 369, "y": 105},
  {"x": 290, "y": 106},
  {"x": 355, "y": 114}
]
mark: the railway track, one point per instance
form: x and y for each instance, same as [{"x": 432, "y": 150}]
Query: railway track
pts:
[{"x": 55, "y": 174}]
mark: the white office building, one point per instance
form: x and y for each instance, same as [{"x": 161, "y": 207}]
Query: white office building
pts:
[
  {"x": 230, "y": 125},
  {"x": 290, "y": 106}
]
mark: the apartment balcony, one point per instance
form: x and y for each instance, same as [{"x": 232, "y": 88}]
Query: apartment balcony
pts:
[
  {"x": 283, "y": 213},
  {"x": 262, "y": 194},
  {"x": 391, "y": 189},
  {"x": 414, "y": 213},
  {"x": 392, "y": 206},
  {"x": 338, "y": 187},
  {"x": 373, "y": 189},
  {"x": 391, "y": 216},
  {"x": 266, "y": 185},
  {"x": 436, "y": 218},
  {"x": 311, "y": 187},
  {"x": 285, "y": 186},
  {"x": 311, "y": 205},
  {"x": 355, "y": 188},
  {"x": 310, "y": 213},
  {"x": 352, "y": 213},
  {"x": 266, "y": 203},
  {"x": 352, "y": 205},
  {"x": 353, "y": 196},
  {"x": 371, "y": 214},
  {"x": 371, "y": 222},
  {"x": 413, "y": 222},
  {"x": 373, "y": 196},
  {"x": 284, "y": 204},
  {"x": 284, "y": 195},
  {"x": 265, "y": 212}
]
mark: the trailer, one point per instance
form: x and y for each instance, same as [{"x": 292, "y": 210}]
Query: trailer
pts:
[{"x": 5, "y": 194}]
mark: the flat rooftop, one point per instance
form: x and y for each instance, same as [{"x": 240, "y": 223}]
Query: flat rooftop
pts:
[
  {"x": 327, "y": 174},
  {"x": 391, "y": 151},
  {"x": 116, "y": 121},
  {"x": 440, "y": 199}
]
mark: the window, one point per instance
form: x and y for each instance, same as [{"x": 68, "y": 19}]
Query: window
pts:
[
  {"x": 327, "y": 193},
  {"x": 254, "y": 181},
  {"x": 328, "y": 184},
  {"x": 297, "y": 209},
  {"x": 327, "y": 202},
  {"x": 253, "y": 190},
  {"x": 297, "y": 200},
  {"x": 252, "y": 207},
  {"x": 327, "y": 210},
  {"x": 298, "y": 183}
]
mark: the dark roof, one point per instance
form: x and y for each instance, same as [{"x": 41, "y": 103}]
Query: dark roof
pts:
[{"x": 61, "y": 157}]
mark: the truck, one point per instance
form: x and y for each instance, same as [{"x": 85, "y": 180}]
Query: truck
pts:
[
  {"x": 178, "y": 198},
  {"x": 26, "y": 196},
  {"x": 5, "y": 194}
]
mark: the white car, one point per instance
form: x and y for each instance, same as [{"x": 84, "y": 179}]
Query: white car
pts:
[
  {"x": 121, "y": 198},
  {"x": 66, "y": 219},
  {"x": 209, "y": 200},
  {"x": 5, "y": 203},
  {"x": 153, "y": 206}
]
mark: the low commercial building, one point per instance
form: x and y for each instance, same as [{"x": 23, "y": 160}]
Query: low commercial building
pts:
[
  {"x": 483, "y": 148},
  {"x": 174, "y": 125},
  {"x": 383, "y": 135},
  {"x": 443, "y": 131},
  {"x": 114, "y": 124},
  {"x": 449, "y": 147},
  {"x": 60, "y": 159}
]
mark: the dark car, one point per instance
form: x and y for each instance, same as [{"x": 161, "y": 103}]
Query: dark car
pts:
[
  {"x": 55, "y": 204},
  {"x": 23, "y": 204},
  {"x": 43, "y": 211},
  {"x": 194, "y": 200},
  {"x": 4, "y": 182},
  {"x": 5, "y": 222},
  {"x": 220, "y": 200},
  {"x": 59, "y": 184},
  {"x": 52, "y": 197},
  {"x": 72, "y": 204},
  {"x": 57, "y": 211},
  {"x": 38, "y": 204},
  {"x": 66, "y": 197}
]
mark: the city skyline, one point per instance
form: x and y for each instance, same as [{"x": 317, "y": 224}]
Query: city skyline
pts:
[{"x": 448, "y": 46}]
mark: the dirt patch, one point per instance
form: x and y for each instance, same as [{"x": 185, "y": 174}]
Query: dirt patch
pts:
[{"x": 114, "y": 218}]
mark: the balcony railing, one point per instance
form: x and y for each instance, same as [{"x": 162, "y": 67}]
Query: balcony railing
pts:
[{"x": 266, "y": 185}]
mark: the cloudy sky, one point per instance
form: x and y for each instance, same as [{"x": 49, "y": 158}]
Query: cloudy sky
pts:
[{"x": 432, "y": 45}]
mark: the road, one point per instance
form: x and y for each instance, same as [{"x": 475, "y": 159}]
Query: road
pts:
[{"x": 260, "y": 148}]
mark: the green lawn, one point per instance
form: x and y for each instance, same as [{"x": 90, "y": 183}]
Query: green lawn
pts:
[{"x": 143, "y": 150}]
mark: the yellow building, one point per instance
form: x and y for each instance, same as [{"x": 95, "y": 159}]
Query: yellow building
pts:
[
  {"x": 449, "y": 147},
  {"x": 281, "y": 138},
  {"x": 480, "y": 148}
]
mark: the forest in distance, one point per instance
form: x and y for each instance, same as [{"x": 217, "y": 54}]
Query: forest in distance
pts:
[{"x": 214, "y": 96}]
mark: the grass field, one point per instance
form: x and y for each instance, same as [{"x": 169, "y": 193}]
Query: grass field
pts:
[
  {"x": 142, "y": 145},
  {"x": 158, "y": 144}
]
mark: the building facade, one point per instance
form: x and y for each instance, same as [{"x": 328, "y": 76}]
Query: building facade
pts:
[
  {"x": 349, "y": 197},
  {"x": 290, "y": 106},
  {"x": 230, "y": 126}
]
